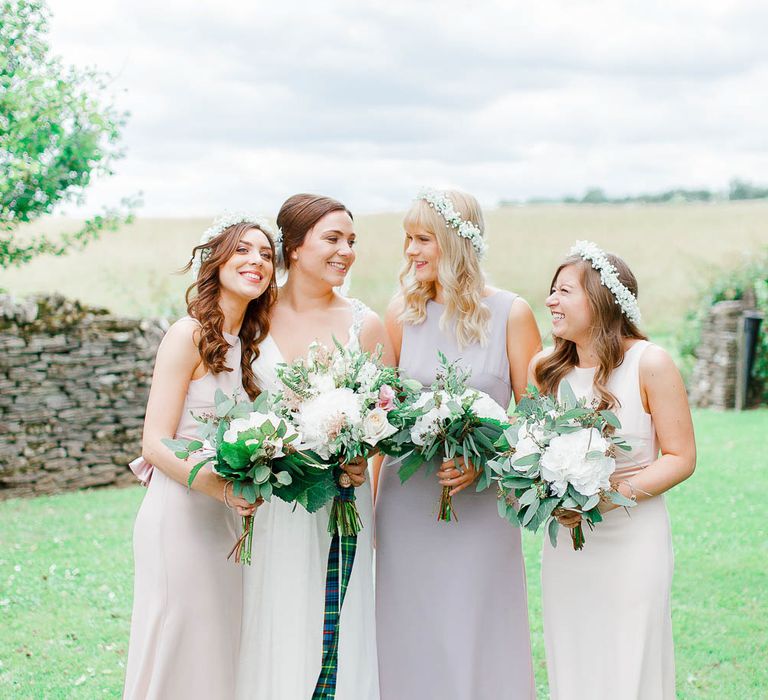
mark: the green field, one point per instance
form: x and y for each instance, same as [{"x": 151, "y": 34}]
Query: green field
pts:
[
  {"x": 671, "y": 248},
  {"x": 66, "y": 567}
]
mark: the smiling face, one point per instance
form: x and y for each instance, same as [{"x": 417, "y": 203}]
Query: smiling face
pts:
[
  {"x": 569, "y": 305},
  {"x": 249, "y": 270},
  {"x": 423, "y": 253},
  {"x": 327, "y": 252}
]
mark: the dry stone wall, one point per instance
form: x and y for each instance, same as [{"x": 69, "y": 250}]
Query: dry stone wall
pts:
[
  {"x": 713, "y": 383},
  {"x": 74, "y": 382}
]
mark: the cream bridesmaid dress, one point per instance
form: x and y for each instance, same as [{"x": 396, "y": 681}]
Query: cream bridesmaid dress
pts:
[
  {"x": 185, "y": 626},
  {"x": 607, "y": 619}
]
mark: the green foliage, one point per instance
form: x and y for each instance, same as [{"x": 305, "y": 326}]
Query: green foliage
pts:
[
  {"x": 748, "y": 279},
  {"x": 58, "y": 130}
]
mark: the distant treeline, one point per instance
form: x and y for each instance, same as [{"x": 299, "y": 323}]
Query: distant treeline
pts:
[{"x": 737, "y": 190}]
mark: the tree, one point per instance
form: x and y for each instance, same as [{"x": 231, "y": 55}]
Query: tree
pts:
[{"x": 58, "y": 130}]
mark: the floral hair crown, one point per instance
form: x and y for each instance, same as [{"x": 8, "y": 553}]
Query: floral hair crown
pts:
[
  {"x": 609, "y": 278},
  {"x": 442, "y": 204},
  {"x": 222, "y": 223}
]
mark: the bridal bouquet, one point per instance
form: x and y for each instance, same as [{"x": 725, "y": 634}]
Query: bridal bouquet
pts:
[
  {"x": 261, "y": 453},
  {"x": 346, "y": 404},
  {"x": 454, "y": 421},
  {"x": 560, "y": 455}
]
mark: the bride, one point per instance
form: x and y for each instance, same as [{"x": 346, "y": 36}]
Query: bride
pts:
[{"x": 284, "y": 589}]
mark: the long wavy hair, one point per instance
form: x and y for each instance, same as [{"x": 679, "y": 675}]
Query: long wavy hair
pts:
[
  {"x": 609, "y": 329},
  {"x": 203, "y": 305},
  {"x": 458, "y": 273}
]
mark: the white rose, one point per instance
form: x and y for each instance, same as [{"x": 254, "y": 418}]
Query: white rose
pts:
[
  {"x": 376, "y": 426},
  {"x": 526, "y": 445},
  {"x": 565, "y": 461}
]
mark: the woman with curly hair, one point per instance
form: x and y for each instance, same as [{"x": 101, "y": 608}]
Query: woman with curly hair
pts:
[
  {"x": 185, "y": 628},
  {"x": 451, "y": 607}
]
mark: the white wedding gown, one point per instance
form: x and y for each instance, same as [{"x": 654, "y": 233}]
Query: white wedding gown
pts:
[{"x": 284, "y": 590}]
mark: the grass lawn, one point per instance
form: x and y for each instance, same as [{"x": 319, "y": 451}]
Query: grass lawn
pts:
[{"x": 65, "y": 579}]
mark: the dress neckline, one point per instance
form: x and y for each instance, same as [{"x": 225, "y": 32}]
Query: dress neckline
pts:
[
  {"x": 626, "y": 354},
  {"x": 490, "y": 296}
]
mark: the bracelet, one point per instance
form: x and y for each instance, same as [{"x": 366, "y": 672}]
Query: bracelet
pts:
[
  {"x": 632, "y": 494},
  {"x": 226, "y": 500}
]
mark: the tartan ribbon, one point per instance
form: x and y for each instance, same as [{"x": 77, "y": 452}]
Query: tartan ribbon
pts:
[{"x": 341, "y": 557}]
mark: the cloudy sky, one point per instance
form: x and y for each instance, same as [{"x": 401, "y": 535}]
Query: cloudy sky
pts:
[{"x": 240, "y": 104}]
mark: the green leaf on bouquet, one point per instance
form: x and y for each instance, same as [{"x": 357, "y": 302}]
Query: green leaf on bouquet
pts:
[
  {"x": 552, "y": 529},
  {"x": 194, "y": 471},
  {"x": 312, "y": 490},
  {"x": 502, "y": 505},
  {"x": 179, "y": 446},
  {"x": 261, "y": 474},
  {"x": 409, "y": 466},
  {"x": 595, "y": 454},
  {"x": 528, "y": 460},
  {"x": 592, "y": 501},
  {"x": 611, "y": 418},
  {"x": 246, "y": 489},
  {"x": 235, "y": 454},
  {"x": 266, "y": 490},
  {"x": 513, "y": 481},
  {"x": 262, "y": 402},
  {"x": 284, "y": 478},
  {"x": 224, "y": 403},
  {"x": 546, "y": 507},
  {"x": 581, "y": 499},
  {"x": 530, "y": 511},
  {"x": 530, "y": 496},
  {"x": 568, "y": 397},
  {"x": 620, "y": 499},
  {"x": 572, "y": 414}
]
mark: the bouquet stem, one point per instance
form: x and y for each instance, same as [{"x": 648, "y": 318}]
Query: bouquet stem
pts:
[
  {"x": 244, "y": 544},
  {"x": 345, "y": 518},
  {"x": 577, "y": 537},
  {"x": 446, "y": 511}
]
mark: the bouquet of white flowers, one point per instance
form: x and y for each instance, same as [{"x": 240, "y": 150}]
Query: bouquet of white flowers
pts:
[
  {"x": 560, "y": 455},
  {"x": 452, "y": 420},
  {"x": 262, "y": 454},
  {"x": 346, "y": 404}
]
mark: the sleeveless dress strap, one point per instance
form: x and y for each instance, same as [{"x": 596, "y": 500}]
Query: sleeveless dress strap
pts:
[{"x": 359, "y": 310}]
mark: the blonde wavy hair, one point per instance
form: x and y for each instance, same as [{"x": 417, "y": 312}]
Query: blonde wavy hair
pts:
[{"x": 458, "y": 272}]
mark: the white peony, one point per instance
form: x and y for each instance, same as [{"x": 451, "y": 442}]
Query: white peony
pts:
[
  {"x": 565, "y": 461},
  {"x": 376, "y": 426},
  {"x": 253, "y": 421},
  {"x": 322, "y": 418}
]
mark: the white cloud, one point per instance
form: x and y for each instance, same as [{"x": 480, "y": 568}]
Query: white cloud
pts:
[{"x": 241, "y": 103}]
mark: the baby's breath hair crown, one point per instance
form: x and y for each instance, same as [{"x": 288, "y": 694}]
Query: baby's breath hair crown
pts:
[
  {"x": 609, "y": 278},
  {"x": 232, "y": 218},
  {"x": 443, "y": 205}
]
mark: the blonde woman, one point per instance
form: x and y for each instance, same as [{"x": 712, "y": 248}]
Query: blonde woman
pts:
[
  {"x": 607, "y": 617},
  {"x": 451, "y": 608}
]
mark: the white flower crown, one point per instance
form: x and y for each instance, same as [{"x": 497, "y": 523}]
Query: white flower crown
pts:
[
  {"x": 609, "y": 278},
  {"x": 442, "y": 204},
  {"x": 223, "y": 222}
]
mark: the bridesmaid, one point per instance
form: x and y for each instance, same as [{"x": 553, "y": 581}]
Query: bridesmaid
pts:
[
  {"x": 451, "y": 607},
  {"x": 284, "y": 597},
  {"x": 607, "y": 621},
  {"x": 185, "y": 628}
]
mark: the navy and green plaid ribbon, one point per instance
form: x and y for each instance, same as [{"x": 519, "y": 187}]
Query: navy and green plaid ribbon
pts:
[{"x": 341, "y": 557}]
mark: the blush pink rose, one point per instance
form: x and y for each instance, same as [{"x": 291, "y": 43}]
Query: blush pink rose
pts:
[{"x": 386, "y": 398}]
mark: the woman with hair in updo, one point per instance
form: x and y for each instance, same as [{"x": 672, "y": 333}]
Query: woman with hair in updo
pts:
[
  {"x": 452, "y": 615},
  {"x": 185, "y": 627},
  {"x": 607, "y": 618},
  {"x": 284, "y": 591}
]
